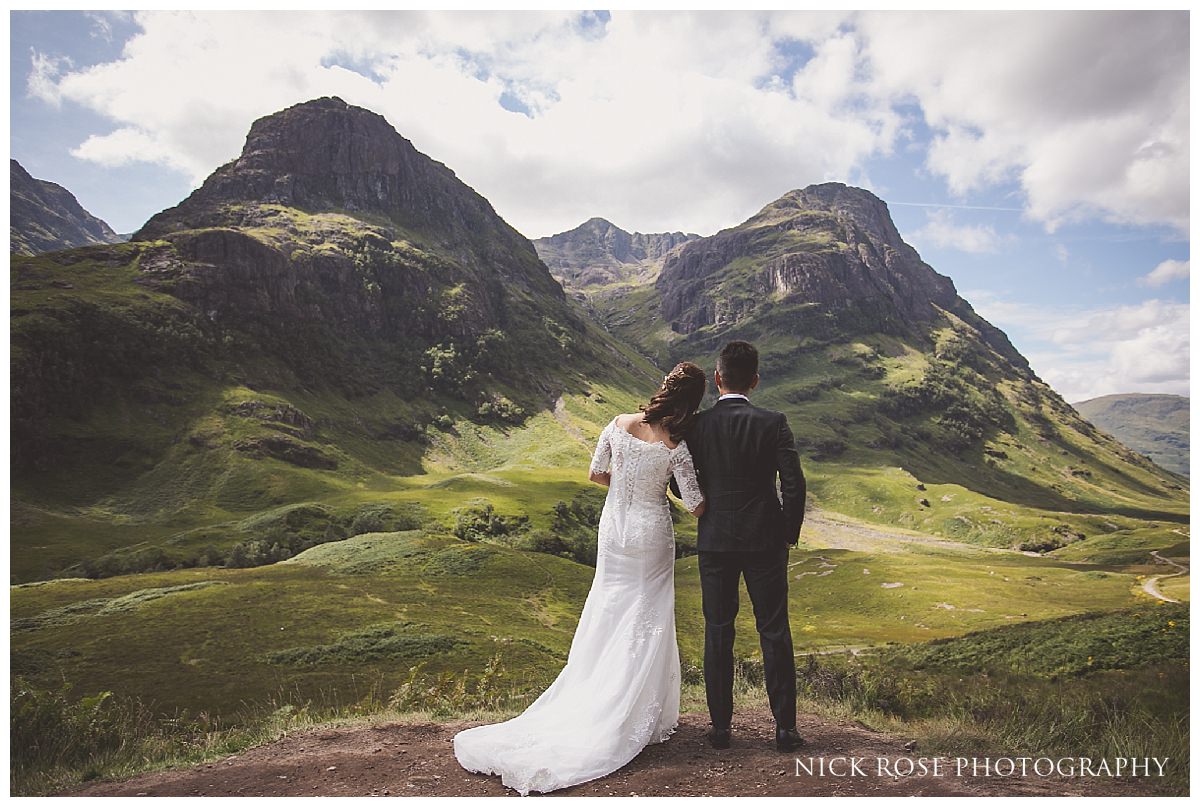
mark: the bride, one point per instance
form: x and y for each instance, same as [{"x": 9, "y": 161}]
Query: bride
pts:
[{"x": 619, "y": 690}]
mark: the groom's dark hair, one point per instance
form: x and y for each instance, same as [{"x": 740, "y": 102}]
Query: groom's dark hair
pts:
[{"x": 738, "y": 364}]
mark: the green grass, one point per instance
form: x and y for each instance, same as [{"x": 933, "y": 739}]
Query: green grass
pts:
[
  {"x": 1116, "y": 640},
  {"x": 1100, "y": 685},
  {"x": 210, "y": 647},
  {"x": 1044, "y": 687},
  {"x": 1177, "y": 587}
]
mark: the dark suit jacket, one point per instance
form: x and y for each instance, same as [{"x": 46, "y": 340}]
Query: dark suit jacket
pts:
[{"x": 738, "y": 450}]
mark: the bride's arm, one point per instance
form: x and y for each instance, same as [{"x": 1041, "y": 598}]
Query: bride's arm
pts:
[
  {"x": 599, "y": 472},
  {"x": 684, "y": 473}
]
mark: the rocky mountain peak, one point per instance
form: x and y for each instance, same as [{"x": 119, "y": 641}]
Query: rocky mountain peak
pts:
[
  {"x": 328, "y": 155},
  {"x": 829, "y": 244},
  {"x": 844, "y": 203}
]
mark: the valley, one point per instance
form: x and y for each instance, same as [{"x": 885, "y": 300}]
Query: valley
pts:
[{"x": 314, "y": 442}]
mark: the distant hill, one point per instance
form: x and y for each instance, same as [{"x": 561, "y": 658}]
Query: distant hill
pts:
[
  {"x": 1154, "y": 425},
  {"x": 45, "y": 216}
]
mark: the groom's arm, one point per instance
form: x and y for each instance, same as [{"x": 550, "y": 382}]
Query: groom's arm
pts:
[{"x": 792, "y": 485}]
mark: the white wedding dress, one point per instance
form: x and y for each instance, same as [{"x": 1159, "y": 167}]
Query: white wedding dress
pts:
[{"x": 619, "y": 690}]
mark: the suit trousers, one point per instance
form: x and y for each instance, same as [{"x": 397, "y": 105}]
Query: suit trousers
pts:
[{"x": 766, "y": 576}]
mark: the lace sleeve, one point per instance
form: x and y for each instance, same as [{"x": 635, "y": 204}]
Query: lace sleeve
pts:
[
  {"x": 685, "y": 477},
  {"x": 602, "y": 458}
]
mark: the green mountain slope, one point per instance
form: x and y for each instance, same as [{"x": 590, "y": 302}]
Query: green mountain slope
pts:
[
  {"x": 329, "y": 310},
  {"x": 910, "y": 408},
  {"x": 1157, "y": 426}
]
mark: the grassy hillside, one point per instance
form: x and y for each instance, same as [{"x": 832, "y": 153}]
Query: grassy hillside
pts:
[
  {"x": 345, "y": 617},
  {"x": 936, "y": 437},
  {"x": 936, "y": 425},
  {"x": 145, "y": 429}
]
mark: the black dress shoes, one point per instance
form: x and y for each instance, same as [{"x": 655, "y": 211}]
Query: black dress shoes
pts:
[
  {"x": 788, "y": 740},
  {"x": 718, "y": 738}
]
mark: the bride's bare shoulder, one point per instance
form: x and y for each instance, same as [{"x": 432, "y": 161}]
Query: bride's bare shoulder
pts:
[{"x": 625, "y": 419}]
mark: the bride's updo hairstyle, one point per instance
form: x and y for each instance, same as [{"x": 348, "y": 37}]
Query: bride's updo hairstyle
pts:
[{"x": 675, "y": 403}]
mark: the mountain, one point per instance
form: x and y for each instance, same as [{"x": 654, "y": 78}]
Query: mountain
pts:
[
  {"x": 597, "y": 253},
  {"x": 1154, "y": 425},
  {"x": 45, "y": 216},
  {"x": 828, "y": 253},
  {"x": 333, "y": 324},
  {"x": 327, "y": 310},
  {"x": 880, "y": 364}
]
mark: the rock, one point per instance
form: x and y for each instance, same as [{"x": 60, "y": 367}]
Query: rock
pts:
[{"x": 286, "y": 449}]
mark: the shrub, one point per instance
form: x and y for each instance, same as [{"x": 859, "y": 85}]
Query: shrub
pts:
[
  {"x": 477, "y": 523},
  {"x": 501, "y": 409}
]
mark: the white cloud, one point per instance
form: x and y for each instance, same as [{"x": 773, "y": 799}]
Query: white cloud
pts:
[
  {"x": 127, "y": 145},
  {"x": 1087, "y": 111},
  {"x": 940, "y": 230},
  {"x": 43, "y": 75},
  {"x": 677, "y": 120},
  {"x": 1087, "y": 352},
  {"x": 101, "y": 27},
  {"x": 659, "y": 121},
  {"x": 1165, "y": 272}
]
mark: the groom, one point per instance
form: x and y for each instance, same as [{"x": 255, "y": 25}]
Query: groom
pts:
[{"x": 738, "y": 449}]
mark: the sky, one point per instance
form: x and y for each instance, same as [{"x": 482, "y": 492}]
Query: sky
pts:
[{"x": 1039, "y": 159}]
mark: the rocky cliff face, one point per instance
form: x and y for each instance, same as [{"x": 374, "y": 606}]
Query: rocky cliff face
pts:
[
  {"x": 45, "y": 216},
  {"x": 329, "y": 217},
  {"x": 598, "y": 252},
  {"x": 829, "y": 247}
]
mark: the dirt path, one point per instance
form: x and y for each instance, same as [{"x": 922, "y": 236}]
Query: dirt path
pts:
[
  {"x": 1151, "y": 585},
  {"x": 410, "y": 760},
  {"x": 560, "y": 414},
  {"x": 840, "y": 532}
]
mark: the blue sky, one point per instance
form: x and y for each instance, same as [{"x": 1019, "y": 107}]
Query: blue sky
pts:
[{"x": 1039, "y": 160}]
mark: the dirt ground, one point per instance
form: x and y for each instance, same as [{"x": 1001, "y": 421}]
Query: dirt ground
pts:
[{"x": 418, "y": 760}]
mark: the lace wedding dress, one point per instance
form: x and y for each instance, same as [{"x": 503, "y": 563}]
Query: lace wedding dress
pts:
[{"x": 619, "y": 690}]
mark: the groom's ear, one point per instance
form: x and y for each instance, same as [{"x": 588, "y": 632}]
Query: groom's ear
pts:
[{"x": 754, "y": 383}]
